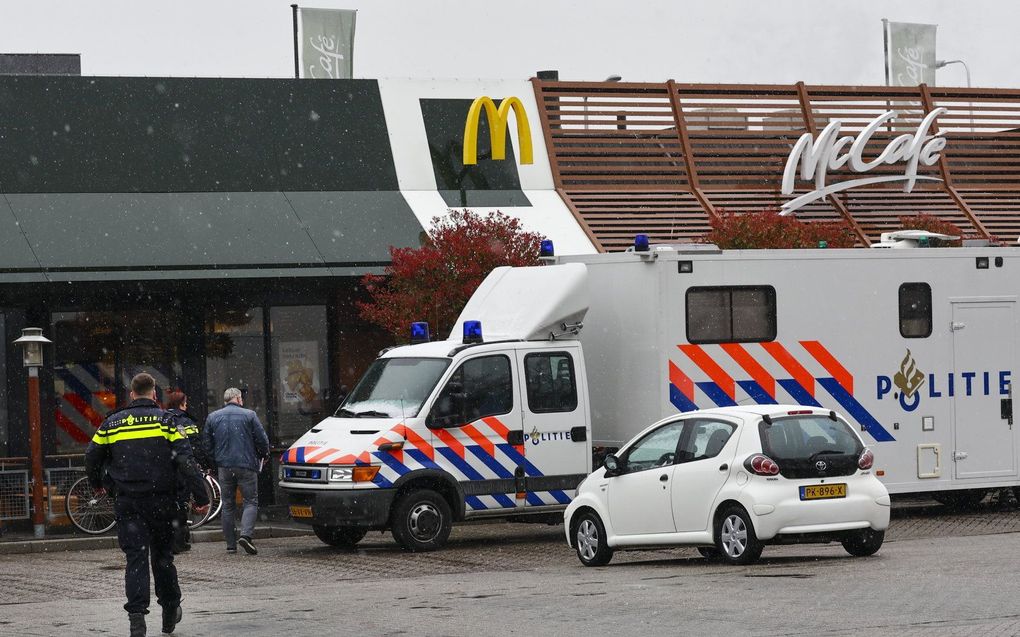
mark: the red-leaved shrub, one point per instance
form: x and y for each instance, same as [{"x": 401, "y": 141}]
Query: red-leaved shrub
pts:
[
  {"x": 931, "y": 223},
  {"x": 434, "y": 282},
  {"x": 769, "y": 229}
]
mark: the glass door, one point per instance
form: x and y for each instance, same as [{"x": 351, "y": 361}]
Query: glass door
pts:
[
  {"x": 299, "y": 373},
  {"x": 235, "y": 357}
]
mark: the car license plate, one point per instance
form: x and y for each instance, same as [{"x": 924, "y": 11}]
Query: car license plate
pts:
[
  {"x": 300, "y": 511},
  {"x": 823, "y": 491}
]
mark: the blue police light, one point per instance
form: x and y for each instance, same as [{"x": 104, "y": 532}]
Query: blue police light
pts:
[
  {"x": 472, "y": 332},
  {"x": 419, "y": 333},
  {"x": 641, "y": 243},
  {"x": 546, "y": 249}
]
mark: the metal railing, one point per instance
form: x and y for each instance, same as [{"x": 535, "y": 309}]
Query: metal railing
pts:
[
  {"x": 14, "y": 494},
  {"x": 16, "y": 486},
  {"x": 58, "y": 483}
]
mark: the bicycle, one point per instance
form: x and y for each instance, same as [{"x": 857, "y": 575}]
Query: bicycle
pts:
[{"x": 92, "y": 513}]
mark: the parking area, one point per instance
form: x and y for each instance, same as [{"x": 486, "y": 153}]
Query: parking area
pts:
[{"x": 938, "y": 574}]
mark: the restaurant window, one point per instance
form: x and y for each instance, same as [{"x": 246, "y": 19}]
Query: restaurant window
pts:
[
  {"x": 735, "y": 314},
  {"x": 915, "y": 310},
  {"x": 300, "y": 377},
  {"x": 235, "y": 357},
  {"x": 95, "y": 356}
]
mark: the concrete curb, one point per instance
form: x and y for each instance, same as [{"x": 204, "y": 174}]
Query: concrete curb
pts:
[{"x": 109, "y": 541}]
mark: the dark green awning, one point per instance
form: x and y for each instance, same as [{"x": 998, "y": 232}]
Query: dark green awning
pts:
[{"x": 130, "y": 236}]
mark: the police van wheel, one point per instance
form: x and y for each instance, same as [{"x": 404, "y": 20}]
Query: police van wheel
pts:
[
  {"x": 343, "y": 537},
  {"x": 963, "y": 499},
  {"x": 421, "y": 521},
  {"x": 710, "y": 553}
]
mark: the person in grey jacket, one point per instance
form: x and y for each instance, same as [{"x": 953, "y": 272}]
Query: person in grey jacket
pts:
[{"x": 237, "y": 443}]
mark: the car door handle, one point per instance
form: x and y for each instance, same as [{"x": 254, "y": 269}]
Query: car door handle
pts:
[
  {"x": 663, "y": 478},
  {"x": 724, "y": 467}
]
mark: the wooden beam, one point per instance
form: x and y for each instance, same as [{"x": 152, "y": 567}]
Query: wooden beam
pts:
[
  {"x": 685, "y": 144},
  {"x": 947, "y": 177},
  {"x": 705, "y": 202},
  {"x": 681, "y": 131},
  {"x": 805, "y": 108},
  {"x": 581, "y": 221},
  {"x": 809, "y": 124}
]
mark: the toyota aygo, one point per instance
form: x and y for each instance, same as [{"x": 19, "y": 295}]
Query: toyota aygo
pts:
[{"x": 729, "y": 481}]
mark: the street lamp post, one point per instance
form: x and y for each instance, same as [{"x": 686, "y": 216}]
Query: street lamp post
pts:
[
  {"x": 611, "y": 78},
  {"x": 33, "y": 340},
  {"x": 966, "y": 69}
]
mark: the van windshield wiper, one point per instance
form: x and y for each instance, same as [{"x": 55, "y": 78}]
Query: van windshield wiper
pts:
[{"x": 371, "y": 413}]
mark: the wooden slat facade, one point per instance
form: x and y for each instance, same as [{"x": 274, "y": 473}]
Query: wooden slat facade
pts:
[{"x": 662, "y": 159}]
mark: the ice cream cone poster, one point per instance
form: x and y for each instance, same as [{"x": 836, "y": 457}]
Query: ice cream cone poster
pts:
[{"x": 299, "y": 372}]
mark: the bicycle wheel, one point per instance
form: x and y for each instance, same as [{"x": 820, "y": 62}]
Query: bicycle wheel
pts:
[
  {"x": 216, "y": 501},
  {"x": 212, "y": 491},
  {"x": 88, "y": 512}
]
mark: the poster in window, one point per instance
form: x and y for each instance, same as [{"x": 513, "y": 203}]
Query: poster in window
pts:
[{"x": 299, "y": 372}]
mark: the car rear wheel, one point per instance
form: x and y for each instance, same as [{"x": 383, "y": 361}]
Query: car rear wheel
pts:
[
  {"x": 343, "y": 537},
  {"x": 864, "y": 542},
  {"x": 590, "y": 540},
  {"x": 421, "y": 521},
  {"x": 735, "y": 538}
]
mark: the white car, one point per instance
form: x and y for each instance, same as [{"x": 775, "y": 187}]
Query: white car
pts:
[{"x": 729, "y": 481}]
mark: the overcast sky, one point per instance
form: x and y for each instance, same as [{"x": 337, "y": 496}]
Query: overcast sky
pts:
[{"x": 748, "y": 41}]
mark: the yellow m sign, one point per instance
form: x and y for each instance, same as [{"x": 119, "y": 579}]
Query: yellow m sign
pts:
[{"x": 498, "y": 120}]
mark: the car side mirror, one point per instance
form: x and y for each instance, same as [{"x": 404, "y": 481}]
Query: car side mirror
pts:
[{"x": 612, "y": 465}]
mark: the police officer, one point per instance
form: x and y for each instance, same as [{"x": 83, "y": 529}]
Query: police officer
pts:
[
  {"x": 141, "y": 451},
  {"x": 177, "y": 409}
]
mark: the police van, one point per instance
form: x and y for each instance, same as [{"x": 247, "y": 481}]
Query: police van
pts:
[{"x": 551, "y": 367}]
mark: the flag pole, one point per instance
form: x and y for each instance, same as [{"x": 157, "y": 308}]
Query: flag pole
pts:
[{"x": 297, "y": 69}]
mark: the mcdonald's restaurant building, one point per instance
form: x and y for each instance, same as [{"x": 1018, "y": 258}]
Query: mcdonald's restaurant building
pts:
[{"x": 213, "y": 232}]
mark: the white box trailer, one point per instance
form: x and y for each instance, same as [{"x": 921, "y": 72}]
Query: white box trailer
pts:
[{"x": 918, "y": 347}]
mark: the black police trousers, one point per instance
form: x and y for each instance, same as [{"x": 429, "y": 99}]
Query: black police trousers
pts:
[
  {"x": 145, "y": 530},
  {"x": 182, "y": 534}
]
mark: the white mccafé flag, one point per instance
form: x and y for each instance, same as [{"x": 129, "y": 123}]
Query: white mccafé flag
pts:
[
  {"x": 909, "y": 53},
  {"x": 327, "y": 43}
]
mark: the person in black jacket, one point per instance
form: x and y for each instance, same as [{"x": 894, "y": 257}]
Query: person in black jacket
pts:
[
  {"x": 141, "y": 451},
  {"x": 177, "y": 409}
]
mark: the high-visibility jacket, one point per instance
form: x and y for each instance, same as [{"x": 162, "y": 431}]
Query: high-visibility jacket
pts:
[
  {"x": 140, "y": 449},
  {"x": 186, "y": 425}
]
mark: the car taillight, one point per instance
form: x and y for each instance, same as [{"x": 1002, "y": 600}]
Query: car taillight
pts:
[
  {"x": 761, "y": 465},
  {"x": 866, "y": 460}
]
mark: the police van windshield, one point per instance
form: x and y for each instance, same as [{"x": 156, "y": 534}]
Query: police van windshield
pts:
[{"x": 393, "y": 388}]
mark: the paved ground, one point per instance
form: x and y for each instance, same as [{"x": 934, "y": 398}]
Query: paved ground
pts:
[{"x": 937, "y": 575}]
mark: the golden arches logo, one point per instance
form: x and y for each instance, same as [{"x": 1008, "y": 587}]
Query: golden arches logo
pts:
[{"x": 498, "y": 121}]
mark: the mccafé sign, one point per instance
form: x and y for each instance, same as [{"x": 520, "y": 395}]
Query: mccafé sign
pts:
[
  {"x": 498, "y": 121},
  {"x": 812, "y": 158}
]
